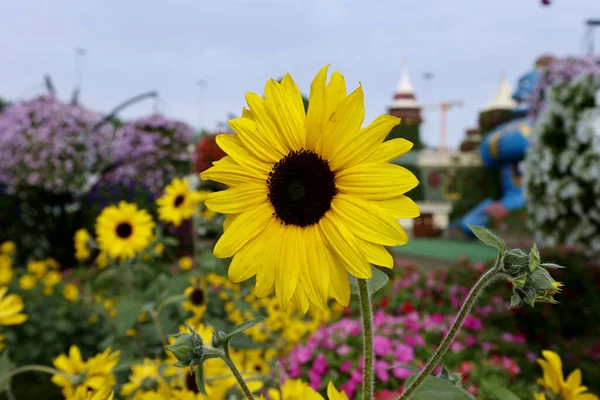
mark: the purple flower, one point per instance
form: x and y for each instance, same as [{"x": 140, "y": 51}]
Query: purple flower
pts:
[
  {"x": 346, "y": 366},
  {"x": 343, "y": 350},
  {"x": 401, "y": 373},
  {"x": 473, "y": 323},
  {"x": 320, "y": 364},
  {"x": 382, "y": 370},
  {"x": 404, "y": 353}
]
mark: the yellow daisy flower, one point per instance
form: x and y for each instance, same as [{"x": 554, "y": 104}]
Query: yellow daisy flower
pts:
[
  {"x": 196, "y": 302},
  {"x": 10, "y": 308},
  {"x": 84, "y": 393},
  {"x": 123, "y": 230},
  {"x": 144, "y": 377},
  {"x": 71, "y": 292},
  {"x": 294, "y": 389},
  {"x": 312, "y": 196},
  {"x": 96, "y": 373},
  {"x": 6, "y": 271},
  {"x": 102, "y": 260},
  {"x": 37, "y": 268},
  {"x": 185, "y": 263},
  {"x": 81, "y": 239},
  {"x": 553, "y": 379},
  {"x": 27, "y": 282},
  {"x": 178, "y": 202},
  {"x": 8, "y": 247}
]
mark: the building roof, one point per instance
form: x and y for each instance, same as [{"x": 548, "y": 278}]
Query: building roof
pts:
[
  {"x": 404, "y": 96},
  {"x": 502, "y": 100}
]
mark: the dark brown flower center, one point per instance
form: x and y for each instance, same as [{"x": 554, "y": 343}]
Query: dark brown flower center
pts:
[
  {"x": 179, "y": 200},
  {"x": 124, "y": 230},
  {"x": 197, "y": 297},
  {"x": 301, "y": 188}
]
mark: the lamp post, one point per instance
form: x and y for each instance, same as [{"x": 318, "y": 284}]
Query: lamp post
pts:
[{"x": 589, "y": 36}]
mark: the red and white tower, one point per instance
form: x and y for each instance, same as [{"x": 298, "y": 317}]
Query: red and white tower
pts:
[{"x": 405, "y": 105}]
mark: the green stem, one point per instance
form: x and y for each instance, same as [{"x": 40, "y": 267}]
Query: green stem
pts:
[
  {"x": 159, "y": 329},
  {"x": 239, "y": 378},
  {"x": 367, "y": 320},
  {"x": 33, "y": 368},
  {"x": 486, "y": 279}
]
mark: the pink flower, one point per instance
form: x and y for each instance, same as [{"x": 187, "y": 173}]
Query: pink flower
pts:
[
  {"x": 404, "y": 353},
  {"x": 304, "y": 355},
  {"x": 349, "y": 387},
  {"x": 382, "y": 370},
  {"x": 346, "y": 366},
  {"x": 401, "y": 373},
  {"x": 344, "y": 349},
  {"x": 314, "y": 379},
  {"x": 320, "y": 364},
  {"x": 487, "y": 346},
  {"x": 381, "y": 345},
  {"x": 473, "y": 323},
  {"x": 457, "y": 346}
]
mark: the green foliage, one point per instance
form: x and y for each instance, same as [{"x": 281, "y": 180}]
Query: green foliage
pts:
[
  {"x": 378, "y": 281},
  {"x": 410, "y": 132},
  {"x": 487, "y": 182},
  {"x": 438, "y": 388}
]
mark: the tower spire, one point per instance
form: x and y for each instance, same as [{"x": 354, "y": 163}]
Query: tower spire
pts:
[
  {"x": 502, "y": 99},
  {"x": 404, "y": 86},
  {"x": 404, "y": 95}
]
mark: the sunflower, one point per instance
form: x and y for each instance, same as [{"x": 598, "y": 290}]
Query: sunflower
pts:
[
  {"x": 196, "y": 300},
  {"x": 81, "y": 239},
  {"x": 178, "y": 202},
  {"x": 123, "y": 230},
  {"x": 10, "y": 308},
  {"x": 312, "y": 196}
]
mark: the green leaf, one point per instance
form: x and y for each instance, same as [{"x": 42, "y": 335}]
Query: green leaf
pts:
[
  {"x": 516, "y": 301},
  {"x": 200, "y": 379},
  {"x": 377, "y": 281},
  {"x": 224, "y": 340},
  {"x": 534, "y": 258},
  {"x": 551, "y": 265},
  {"x": 519, "y": 281},
  {"x": 487, "y": 237},
  {"x": 406, "y": 366},
  {"x": 5, "y": 366},
  {"x": 500, "y": 392},
  {"x": 435, "y": 388},
  {"x": 127, "y": 313},
  {"x": 170, "y": 241}
]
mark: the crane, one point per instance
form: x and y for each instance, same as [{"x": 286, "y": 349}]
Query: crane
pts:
[{"x": 443, "y": 107}]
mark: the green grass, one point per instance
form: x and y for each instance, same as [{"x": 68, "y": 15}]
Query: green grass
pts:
[{"x": 446, "y": 249}]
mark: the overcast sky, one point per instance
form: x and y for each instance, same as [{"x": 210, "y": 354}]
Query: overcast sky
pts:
[{"x": 235, "y": 46}]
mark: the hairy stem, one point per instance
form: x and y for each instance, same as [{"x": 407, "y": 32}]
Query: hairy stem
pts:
[
  {"x": 32, "y": 368},
  {"x": 367, "y": 320},
  {"x": 486, "y": 279},
  {"x": 239, "y": 378}
]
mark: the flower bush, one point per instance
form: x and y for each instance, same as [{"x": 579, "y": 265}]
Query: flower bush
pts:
[
  {"x": 47, "y": 144},
  {"x": 152, "y": 151},
  {"x": 562, "y": 168}
]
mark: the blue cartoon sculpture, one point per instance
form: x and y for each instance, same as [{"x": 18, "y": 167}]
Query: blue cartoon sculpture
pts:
[{"x": 504, "y": 148}]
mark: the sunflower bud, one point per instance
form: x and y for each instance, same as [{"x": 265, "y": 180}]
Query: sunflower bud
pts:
[
  {"x": 532, "y": 283},
  {"x": 187, "y": 348}
]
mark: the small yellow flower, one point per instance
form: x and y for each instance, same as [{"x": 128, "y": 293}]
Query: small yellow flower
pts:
[
  {"x": 8, "y": 247},
  {"x": 1, "y": 341},
  {"x": 51, "y": 263},
  {"x": 159, "y": 248},
  {"x": 185, "y": 263},
  {"x": 102, "y": 260},
  {"x": 553, "y": 379},
  {"x": 143, "y": 317},
  {"x": 124, "y": 230},
  {"x": 6, "y": 272},
  {"x": 82, "y": 251},
  {"x": 71, "y": 292},
  {"x": 37, "y": 268},
  {"x": 144, "y": 376},
  {"x": 92, "y": 319},
  {"x": 94, "y": 374},
  {"x": 178, "y": 202},
  {"x": 10, "y": 308},
  {"x": 197, "y": 298},
  {"x": 27, "y": 282},
  {"x": 130, "y": 332}
]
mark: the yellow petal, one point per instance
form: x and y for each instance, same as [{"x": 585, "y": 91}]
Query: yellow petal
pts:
[
  {"x": 356, "y": 146},
  {"x": 333, "y": 394},
  {"x": 286, "y": 116},
  {"x": 266, "y": 123},
  {"x": 369, "y": 180},
  {"x": 230, "y": 173},
  {"x": 232, "y": 145},
  {"x": 253, "y": 255},
  {"x": 318, "y": 265},
  {"x": 345, "y": 120},
  {"x": 243, "y": 228},
  {"x": 238, "y": 199},
  {"x": 574, "y": 378},
  {"x": 376, "y": 254},
  {"x": 399, "y": 207},
  {"x": 368, "y": 221},
  {"x": 315, "y": 118},
  {"x": 301, "y": 299},
  {"x": 13, "y": 320},
  {"x": 339, "y": 281},
  {"x": 389, "y": 150},
  {"x": 289, "y": 261},
  {"x": 344, "y": 245},
  {"x": 254, "y": 141},
  {"x": 294, "y": 99},
  {"x": 335, "y": 92}
]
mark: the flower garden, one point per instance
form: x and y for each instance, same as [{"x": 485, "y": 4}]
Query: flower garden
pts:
[{"x": 139, "y": 261}]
